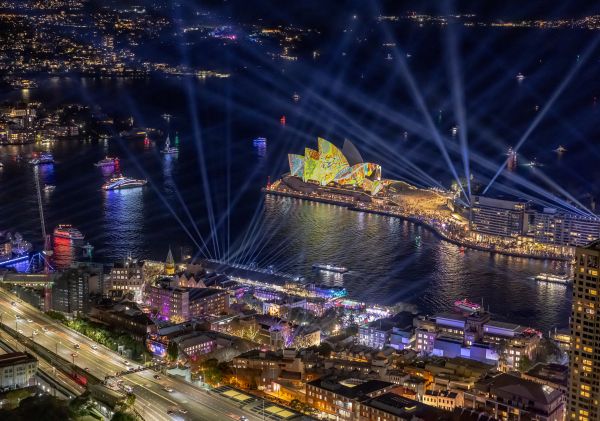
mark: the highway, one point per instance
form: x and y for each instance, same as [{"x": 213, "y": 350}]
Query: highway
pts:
[{"x": 152, "y": 399}]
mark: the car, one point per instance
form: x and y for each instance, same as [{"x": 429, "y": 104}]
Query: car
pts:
[
  {"x": 76, "y": 346},
  {"x": 44, "y": 329},
  {"x": 20, "y": 331},
  {"x": 125, "y": 362},
  {"x": 170, "y": 412},
  {"x": 94, "y": 346},
  {"x": 168, "y": 389},
  {"x": 35, "y": 332},
  {"x": 156, "y": 377},
  {"x": 13, "y": 304},
  {"x": 128, "y": 388},
  {"x": 29, "y": 321},
  {"x": 87, "y": 369},
  {"x": 183, "y": 411},
  {"x": 243, "y": 418}
]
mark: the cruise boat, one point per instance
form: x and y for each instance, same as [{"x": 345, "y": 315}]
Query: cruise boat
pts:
[
  {"x": 466, "y": 305},
  {"x": 120, "y": 183},
  {"x": 330, "y": 268},
  {"x": 556, "y": 279},
  {"x": 560, "y": 149},
  {"x": 42, "y": 159},
  {"x": 107, "y": 162},
  {"x": 168, "y": 149},
  {"x": 67, "y": 231}
]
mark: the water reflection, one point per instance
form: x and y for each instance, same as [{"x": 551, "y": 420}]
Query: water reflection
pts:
[{"x": 123, "y": 222}]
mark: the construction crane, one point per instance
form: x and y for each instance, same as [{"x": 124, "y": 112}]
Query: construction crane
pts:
[{"x": 47, "y": 252}]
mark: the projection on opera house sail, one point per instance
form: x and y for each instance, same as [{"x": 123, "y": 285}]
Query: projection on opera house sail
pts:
[{"x": 330, "y": 166}]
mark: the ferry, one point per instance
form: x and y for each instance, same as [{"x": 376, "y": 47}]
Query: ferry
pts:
[
  {"x": 67, "y": 231},
  {"x": 168, "y": 149},
  {"x": 520, "y": 77},
  {"x": 330, "y": 268},
  {"x": 120, "y": 183},
  {"x": 466, "y": 305},
  {"x": 107, "y": 162},
  {"x": 42, "y": 159},
  {"x": 556, "y": 279}
]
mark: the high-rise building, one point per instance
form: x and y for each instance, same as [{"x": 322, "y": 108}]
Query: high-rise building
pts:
[
  {"x": 498, "y": 216},
  {"x": 584, "y": 364},
  {"x": 127, "y": 276},
  {"x": 70, "y": 292}
]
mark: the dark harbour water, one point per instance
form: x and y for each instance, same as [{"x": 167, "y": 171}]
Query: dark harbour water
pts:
[{"x": 208, "y": 197}]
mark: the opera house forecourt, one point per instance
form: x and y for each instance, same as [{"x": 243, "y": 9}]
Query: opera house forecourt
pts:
[{"x": 342, "y": 177}]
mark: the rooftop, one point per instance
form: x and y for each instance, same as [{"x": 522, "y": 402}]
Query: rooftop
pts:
[
  {"x": 405, "y": 408},
  {"x": 13, "y": 358},
  {"x": 346, "y": 388}
]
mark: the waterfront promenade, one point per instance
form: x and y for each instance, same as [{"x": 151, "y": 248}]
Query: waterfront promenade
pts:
[{"x": 445, "y": 227}]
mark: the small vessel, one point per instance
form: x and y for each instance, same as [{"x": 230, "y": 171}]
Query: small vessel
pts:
[
  {"x": 260, "y": 140},
  {"x": 520, "y": 77},
  {"x": 42, "y": 159},
  {"x": 166, "y": 116},
  {"x": 296, "y": 97},
  {"x": 556, "y": 279},
  {"x": 512, "y": 158},
  {"x": 49, "y": 188},
  {"x": 560, "y": 149},
  {"x": 389, "y": 56},
  {"x": 120, "y": 183},
  {"x": 67, "y": 231},
  {"x": 107, "y": 162},
  {"x": 454, "y": 130},
  {"x": 534, "y": 163},
  {"x": 282, "y": 120},
  {"x": 168, "y": 149},
  {"x": 330, "y": 268},
  {"x": 466, "y": 305}
]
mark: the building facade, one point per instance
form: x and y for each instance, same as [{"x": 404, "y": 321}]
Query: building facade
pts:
[
  {"x": 584, "y": 361},
  {"x": 17, "y": 370},
  {"x": 501, "y": 217}
]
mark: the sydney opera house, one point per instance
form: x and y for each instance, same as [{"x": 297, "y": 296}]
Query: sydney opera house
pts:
[{"x": 331, "y": 168}]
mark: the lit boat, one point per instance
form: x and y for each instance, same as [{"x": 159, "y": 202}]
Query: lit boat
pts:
[
  {"x": 107, "y": 162},
  {"x": 330, "y": 268},
  {"x": 42, "y": 159},
  {"x": 49, "y": 188},
  {"x": 520, "y": 77},
  {"x": 168, "y": 149},
  {"x": 550, "y": 277},
  {"x": 560, "y": 149},
  {"x": 296, "y": 97},
  {"x": 67, "y": 231},
  {"x": 454, "y": 130},
  {"x": 260, "y": 140},
  {"x": 119, "y": 183},
  {"x": 467, "y": 306},
  {"x": 534, "y": 163}
]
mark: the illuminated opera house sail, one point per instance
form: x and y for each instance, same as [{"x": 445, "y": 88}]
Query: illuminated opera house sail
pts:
[{"x": 331, "y": 166}]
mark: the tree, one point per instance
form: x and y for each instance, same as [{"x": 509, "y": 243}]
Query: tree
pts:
[
  {"x": 525, "y": 363},
  {"x": 130, "y": 400},
  {"x": 123, "y": 416},
  {"x": 177, "y": 319},
  {"x": 172, "y": 351}
]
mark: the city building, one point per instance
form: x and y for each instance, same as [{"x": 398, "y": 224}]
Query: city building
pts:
[
  {"x": 124, "y": 317},
  {"x": 565, "y": 228},
  {"x": 553, "y": 375},
  {"x": 508, "y": 397},
  {"x": 70, "y": 292},
  {"x": 584, "y": 361},
  {"x": 443, "y": 399},
  {"x": 342, "y": 398},
  {"x": 127, "y": 276},
  {"x": 17, "y": 370},
  {"x": 498, "y": 216},
  {"x": 182, "y": 304},
  {"x": 396, "y": 331},
  {"x": 194, "y": 344}
]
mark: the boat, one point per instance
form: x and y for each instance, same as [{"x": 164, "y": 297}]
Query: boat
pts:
[
  {"x": 520, "y": 77},
  {"x": 534, "y": 163},
  {"x": 168, "y": 149},
  {"x": 67, "y": 231},
  {"x": 466, "y": 305},
  {"x": 296, "y": 97},
  {"x": 260, "y": 141},
  {"x": 107, "y": 162},
  {"x": 454, "y": 130},
  {"x": 120, "y": 183},
  {"x": 330, "y": 268},
  {"x": 560, "y": 149},
  {"x": 42, "y": 159},
  {"x": 556, "y": 279},
  {"x": 49, "y": 188}
]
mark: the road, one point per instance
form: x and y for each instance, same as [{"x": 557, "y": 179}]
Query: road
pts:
[{"x": 152, "y": 400}]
